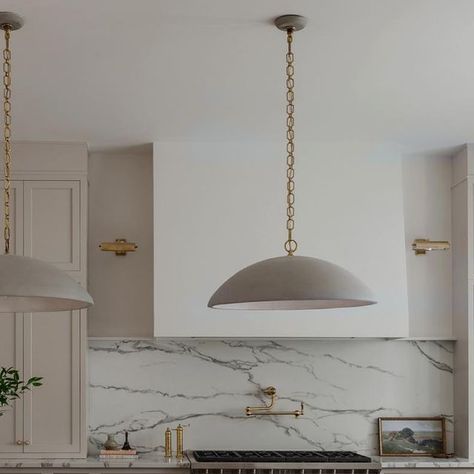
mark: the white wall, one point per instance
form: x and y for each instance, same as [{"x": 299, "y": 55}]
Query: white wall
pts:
[
  {"x": 221, "y": 206},
  {"x": 427, "y": 209},
  {"x": 120, "y": 206},
  {"x": 121, "y": 201}
]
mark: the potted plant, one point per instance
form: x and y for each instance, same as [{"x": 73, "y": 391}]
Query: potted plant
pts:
[{"x": 12, "y": 387}]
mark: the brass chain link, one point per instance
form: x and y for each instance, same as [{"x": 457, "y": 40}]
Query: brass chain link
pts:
[
  {"x": 290, "y": 244},
  {"x": 7, "y": 120}
]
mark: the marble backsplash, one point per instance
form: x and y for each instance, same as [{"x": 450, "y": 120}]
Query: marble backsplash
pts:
[{"x": 144, "y": 387}]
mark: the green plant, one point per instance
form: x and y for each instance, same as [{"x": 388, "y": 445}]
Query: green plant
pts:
[{"x": 12, "y": 387}]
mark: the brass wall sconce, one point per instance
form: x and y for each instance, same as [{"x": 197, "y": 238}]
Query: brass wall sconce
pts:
[
  {"x": 421, "y": 246},
  {"x": 268, "y": 409},
  {"x": 120, "y": 246}
]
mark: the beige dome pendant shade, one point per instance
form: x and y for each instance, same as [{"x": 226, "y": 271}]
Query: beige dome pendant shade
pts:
[
  {"x": 291, "y": 282},
  {"x": 27, "y": 284},
  {"x": 31, "y": 285}
]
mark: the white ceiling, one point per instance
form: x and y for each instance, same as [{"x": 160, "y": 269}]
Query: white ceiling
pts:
[{"x": 119, "y": 73}]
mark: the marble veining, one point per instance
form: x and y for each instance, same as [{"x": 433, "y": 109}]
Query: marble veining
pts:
[{"x": 146, "y": 386}]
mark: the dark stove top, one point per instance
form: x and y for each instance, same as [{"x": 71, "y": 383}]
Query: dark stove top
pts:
[{"x": 279, "y": 456}]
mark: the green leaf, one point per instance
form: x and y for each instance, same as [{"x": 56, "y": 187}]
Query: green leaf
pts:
[{"x": 12, "y": 386}]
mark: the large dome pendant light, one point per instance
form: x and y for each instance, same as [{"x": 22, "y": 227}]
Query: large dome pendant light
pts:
[
  {"x": 291, "y": 282},
  {"x": 27, "y": 284}
]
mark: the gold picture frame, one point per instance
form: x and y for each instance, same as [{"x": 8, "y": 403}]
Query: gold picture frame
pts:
[{"x": 412, "y": 436}]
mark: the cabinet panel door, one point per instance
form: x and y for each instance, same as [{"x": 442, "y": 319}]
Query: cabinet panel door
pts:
[
  {"x": 52, "y": 227},
  {"x": 52, "y": 412},
  {"x": 11, "y": 355},
  {"x": 16, "y": 218}
]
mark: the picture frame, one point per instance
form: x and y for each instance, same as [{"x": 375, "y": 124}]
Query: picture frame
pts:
[{"x": 412, "y": 436}]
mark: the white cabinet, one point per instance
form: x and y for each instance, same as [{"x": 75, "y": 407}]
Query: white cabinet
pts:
[
  {"x": 219, "y": 207},
  {"x": 52, "y": 225},
  {"x": 49, "y": 210},
  {"x": 46, "y": 420},
  {"x": 52, "y": 413}
]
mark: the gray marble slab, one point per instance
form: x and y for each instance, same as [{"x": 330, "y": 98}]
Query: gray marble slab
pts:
[{"x": 146, "y": 386}]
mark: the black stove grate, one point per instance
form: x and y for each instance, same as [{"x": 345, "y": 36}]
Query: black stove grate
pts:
[{"x": 279, "y": 456}]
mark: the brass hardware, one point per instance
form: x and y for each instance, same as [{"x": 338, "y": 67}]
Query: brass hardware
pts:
[
  {"x": 290, "y": 244},
  {"x": 421, "y": 246},
  {"x": 7, "y": 120},
  {"x": 120, "y": 246},
  {"x": 19, "y": 442},
  {"x": 267, "y": 409},
  {"x": 27, "y": 443},
  {"x": 9, "y": 22},
  {"x": 168, "y": 446},
  {"x": 179, "y": 442}
]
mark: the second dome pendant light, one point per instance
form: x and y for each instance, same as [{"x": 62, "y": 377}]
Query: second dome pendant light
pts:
[
  {"x": 291, "y": 282},
  {"x": 27, "y": 285}
]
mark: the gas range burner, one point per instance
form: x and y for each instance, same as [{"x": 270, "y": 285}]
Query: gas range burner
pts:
[{"x": 279, "y": 456}]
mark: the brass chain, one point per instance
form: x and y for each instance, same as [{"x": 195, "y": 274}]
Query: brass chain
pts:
[
  {"x": 7, "y": 120},
  {"x": 290, "y": 244}
]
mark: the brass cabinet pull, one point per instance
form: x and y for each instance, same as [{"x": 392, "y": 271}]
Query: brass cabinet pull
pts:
[
  {"x": 19, "y": 442},
  {"x": 27, "y": 443}
]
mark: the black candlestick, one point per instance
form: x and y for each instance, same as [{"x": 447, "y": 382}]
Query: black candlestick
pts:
[{"x": 126, "y": 445}]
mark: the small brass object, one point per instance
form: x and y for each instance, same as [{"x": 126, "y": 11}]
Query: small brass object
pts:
[
  {"x": 268, "y": 409},
  {"x": 168, "y": 447},
  {"x": 421, "y": 246},
  {"x": 179, "y": 442},
  {"x": 120, "y": 246}
]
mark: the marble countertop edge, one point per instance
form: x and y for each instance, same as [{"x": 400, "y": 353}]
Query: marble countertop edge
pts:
[
  {"x": 155, "y": 461},
  {"x": 143, "y": 462},
  {"x": 409, "y": 462}
]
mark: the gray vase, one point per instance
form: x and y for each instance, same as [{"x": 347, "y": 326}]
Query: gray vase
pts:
[{"x": 111, "y": 444}]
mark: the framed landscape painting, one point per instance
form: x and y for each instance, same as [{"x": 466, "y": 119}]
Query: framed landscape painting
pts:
[{"x": 412, "y": 436}]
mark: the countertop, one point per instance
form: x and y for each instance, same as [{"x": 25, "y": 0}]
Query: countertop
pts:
[
  {"x": 427, "y": 463},
  {"x": 153, "y": 461},
  {"x": 157, "y": 461}
]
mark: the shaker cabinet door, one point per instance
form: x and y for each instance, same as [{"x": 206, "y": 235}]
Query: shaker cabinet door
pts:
[
  {"x": 52, "y": 222},
  {"x": 52, "y": 412}
]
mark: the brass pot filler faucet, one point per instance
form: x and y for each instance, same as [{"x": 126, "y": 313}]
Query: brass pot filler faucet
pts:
[{"x": 268, "y": 409}]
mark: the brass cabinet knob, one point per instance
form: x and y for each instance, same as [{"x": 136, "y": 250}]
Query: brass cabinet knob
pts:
[
  {"x": 19, "y": 442},
  {"x": 27, "y": 443}
]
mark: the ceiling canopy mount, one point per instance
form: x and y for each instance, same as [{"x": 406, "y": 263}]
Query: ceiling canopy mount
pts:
[
  {"x": 10, "y": 20},
  {"x": 290, "y": 22}
]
